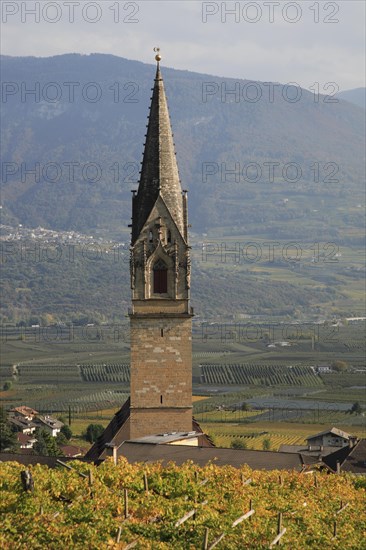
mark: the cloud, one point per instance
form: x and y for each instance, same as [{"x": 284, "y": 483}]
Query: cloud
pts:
[{"x": 227, "y": 44}]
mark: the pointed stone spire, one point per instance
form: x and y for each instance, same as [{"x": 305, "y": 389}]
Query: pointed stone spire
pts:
[{"x": 159, "y": 172}]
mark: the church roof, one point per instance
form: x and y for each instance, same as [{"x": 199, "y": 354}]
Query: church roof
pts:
[
  {"x": 122, "y": 415},
  {"x": 257, "y": 460},
  {"x": 159, "y": 171},
  {"x": 97, "y": 450}
]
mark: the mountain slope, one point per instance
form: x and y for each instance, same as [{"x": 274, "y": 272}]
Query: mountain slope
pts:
[{"x": 64, "y": 125}]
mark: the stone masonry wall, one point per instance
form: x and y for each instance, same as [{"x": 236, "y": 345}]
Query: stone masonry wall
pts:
[{"x": 161, "y": 375}]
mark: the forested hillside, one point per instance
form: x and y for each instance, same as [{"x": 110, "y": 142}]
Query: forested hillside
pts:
[
  {"x": 93, "y": 109},
  {"x": 72, "y": 140}
]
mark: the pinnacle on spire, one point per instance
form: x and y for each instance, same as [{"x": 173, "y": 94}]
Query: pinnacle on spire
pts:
[{"x": 159, "y": 172}]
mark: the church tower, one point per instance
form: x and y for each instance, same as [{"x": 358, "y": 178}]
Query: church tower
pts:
[{"x": 161, "y": 318}]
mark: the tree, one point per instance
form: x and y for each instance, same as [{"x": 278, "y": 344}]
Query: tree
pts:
[
  {"x": 238, "y": 444},
  {"x": 245, "y": 406},
  {"x": 356, "y": 408},
  {"x": 66, "y": 431},
  {"x": 8, "y": 438},
  {"x": 340, "y": 366},
  {"x": 93, "y": 431},
  {"x": 266, "y": 444},
  {"x": 7, "y": 385},
  {"x": 46, "y": 445},
  {"x": 61, "y": 439}
]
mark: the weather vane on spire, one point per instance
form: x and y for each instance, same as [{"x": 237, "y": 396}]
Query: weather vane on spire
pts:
[{"x": 158, "y": 56}]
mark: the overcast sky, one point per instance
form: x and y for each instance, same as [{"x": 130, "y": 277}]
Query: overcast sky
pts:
[{"x": 303, "y": 42}]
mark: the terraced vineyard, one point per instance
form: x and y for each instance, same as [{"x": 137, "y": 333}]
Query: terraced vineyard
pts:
[
  {"x": 83, "y": 402},
  {"x": 255, "y": 441},
  {"x": 48, "y": 373},
  {"x": 106, "y": 373},
  {"x": 180, "y": 507},
  {"x": 258, "y": 374}
]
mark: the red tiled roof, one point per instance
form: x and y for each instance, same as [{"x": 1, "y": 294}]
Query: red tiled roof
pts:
[
  {"x": 71, "y": 450},
  {"x": 26, "y": 411},
  {"x": 24, "y": 438}
]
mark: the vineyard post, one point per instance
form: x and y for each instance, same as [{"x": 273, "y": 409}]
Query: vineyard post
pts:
[
  {"x": 280, "y": 532},
  {"x": 125, "y": 496},
  {"x": 90, "y": 478},
  {"x": 205, "y": 539},
  {"x": 216, "y": 541},
  {"x": 280, "y": 481},
  {"x": 335, "y": 530},
  {"x": 342, "y": 507},
  {"x": 250, "y": 508},
  {"x": 279, "y": 526},
  {"x": 315, "y": 480},
  {"x": 146, "y": 484},
  {"x": 119, "y": 532}
]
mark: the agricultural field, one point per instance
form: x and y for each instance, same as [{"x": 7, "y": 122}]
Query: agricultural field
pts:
[
  {"x": 148, "y": 506},
  {"x": 278, "y": 433},
  {"x": 88, "y": 374},
  {"x": 253, "y": 374},
  {"x": 106, "y": 373}
]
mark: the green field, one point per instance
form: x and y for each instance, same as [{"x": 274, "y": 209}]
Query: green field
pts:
[{"x": 233, "y": 363}]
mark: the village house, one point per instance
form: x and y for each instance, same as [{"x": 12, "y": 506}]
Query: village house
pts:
[
  {"x": 48, "y": 423},
  {"x": 71, "y": 451},
  {"x": 24, "y": 412},
  {"x": 26, "y": 441},
  {"x": 20, "y": 424},
  {"x": 331, "y": 438}
]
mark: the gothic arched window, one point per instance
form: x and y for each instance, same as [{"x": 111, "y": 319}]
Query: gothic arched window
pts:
[
  {"x": 169, "y": 236},
  {"x": 150, "y": 237},
  {"x": 160, "y": 278}
]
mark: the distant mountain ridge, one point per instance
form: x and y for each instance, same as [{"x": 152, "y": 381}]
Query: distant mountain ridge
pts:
[
  {"x": 357, "y": 96},
  {"x": 93, "y": 109},
  {"x": 263, "y": 172}
]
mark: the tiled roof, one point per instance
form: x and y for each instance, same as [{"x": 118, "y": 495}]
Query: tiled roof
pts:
[
  {"x": 97, "y": 449},
  {"x": 350, "y": 459},
  {"x": 26, "y": 411},
  {"x": 21, "y": 423},
  {"x": 71, "y": 450},
  {"x": 306, "y": 450},
  {"x": 116, "y": 424},
  {"x": 24, "y": 438},
  {"x": 49, "y": 421},
  {"x": 258, "y": 460},
  {"x": 333, "y": 431}
]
